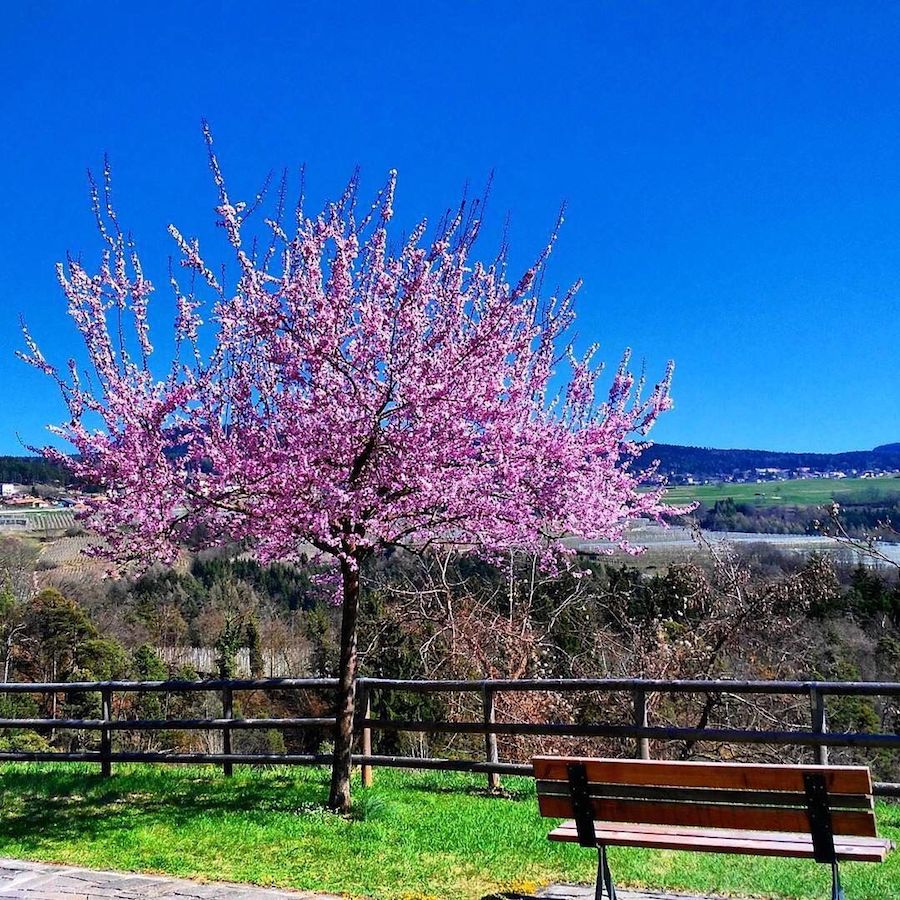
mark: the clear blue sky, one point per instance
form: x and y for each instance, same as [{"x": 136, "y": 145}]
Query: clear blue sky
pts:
[{"x": 732, "y": 171}]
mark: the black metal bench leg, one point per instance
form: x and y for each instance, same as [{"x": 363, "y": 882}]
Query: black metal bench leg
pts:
[
  {"x": 604, "y": 876},
  {"x": 837, "y": 892}
]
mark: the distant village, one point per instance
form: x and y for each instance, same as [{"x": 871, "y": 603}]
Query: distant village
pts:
[
  {"x": 684, "y": 465},
  {"x": 759, "y": 475},
  {"x": 41, "y": 508}
]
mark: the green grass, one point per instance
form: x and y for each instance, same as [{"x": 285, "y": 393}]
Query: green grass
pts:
[
  {"x": 795, "y": 492},
  {"x": 412, "y": 836}
]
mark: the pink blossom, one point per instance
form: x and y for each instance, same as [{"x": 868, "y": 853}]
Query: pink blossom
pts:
[{"x": 354, "y": 399}]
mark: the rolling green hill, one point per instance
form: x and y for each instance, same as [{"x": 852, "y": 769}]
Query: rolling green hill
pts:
[{"x": 798, "y": 492}]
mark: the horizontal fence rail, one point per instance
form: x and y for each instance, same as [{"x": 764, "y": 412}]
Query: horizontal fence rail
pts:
[{"x": 817, "y": 737}]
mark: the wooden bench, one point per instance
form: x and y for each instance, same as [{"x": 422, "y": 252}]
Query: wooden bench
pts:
[{"x": 825, "y": 813}]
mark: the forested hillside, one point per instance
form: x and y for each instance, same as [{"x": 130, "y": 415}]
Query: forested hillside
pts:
[
  {"x": 757, "y": 614},
  {"x": 708, "y": 462},
  {"x": 31, "y": 470}
]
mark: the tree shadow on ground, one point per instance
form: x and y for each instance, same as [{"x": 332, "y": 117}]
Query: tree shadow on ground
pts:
[
  {"x": 473, "y": 790},
  {"x": 63, "y": 808}
]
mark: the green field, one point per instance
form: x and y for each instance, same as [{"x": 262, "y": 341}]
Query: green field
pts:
[
  {"x": 413, "y": 836},
  {"x": 796, "y": 492}
]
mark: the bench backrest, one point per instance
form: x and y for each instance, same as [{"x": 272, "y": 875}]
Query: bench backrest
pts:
[{"x": 706, "y": 795}]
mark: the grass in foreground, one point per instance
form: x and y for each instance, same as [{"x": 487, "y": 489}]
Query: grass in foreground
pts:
[{"x": 413, "y": 835}]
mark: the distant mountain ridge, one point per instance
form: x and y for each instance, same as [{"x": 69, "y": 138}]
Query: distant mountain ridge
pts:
[
  {"x": 710, "y": 462},
  {"x": 675, "y": 461}
]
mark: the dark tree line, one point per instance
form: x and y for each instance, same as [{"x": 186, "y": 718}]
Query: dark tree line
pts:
[
  {"x": 709, "y": 462},
  {"x": 873, "y": 519},
  {"x": 32, "y": 470}
]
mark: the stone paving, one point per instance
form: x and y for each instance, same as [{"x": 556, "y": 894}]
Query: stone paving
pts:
[
  {"x": 580, "y": 892},
  {"x": 21, "y": 880},
  {"x": 39, "y": 881}
]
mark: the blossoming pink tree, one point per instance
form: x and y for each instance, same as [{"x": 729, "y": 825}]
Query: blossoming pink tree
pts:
[{"x": 347, "y": 394}]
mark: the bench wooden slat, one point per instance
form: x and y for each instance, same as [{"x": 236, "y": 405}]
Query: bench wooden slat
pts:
[
  {"x": 705, "y": 795},
  {"x": 694, "y": 831},
  {"x": 758, "y": 818},
  {"x": 798, "y": 846},
  {"x": 838, "y": 779}
]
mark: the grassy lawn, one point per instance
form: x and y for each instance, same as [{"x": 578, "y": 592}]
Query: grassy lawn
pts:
[
  {"x": 412, "y": 836},
  {"x": 796, "y": 492}
]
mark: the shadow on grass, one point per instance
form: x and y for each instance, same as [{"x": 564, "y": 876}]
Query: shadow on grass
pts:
[
  {"x": 56, "y": 808},
  {"x": 471, "y": 790}
]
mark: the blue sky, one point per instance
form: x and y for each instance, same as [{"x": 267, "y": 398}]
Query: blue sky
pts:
[{"x": 732, "y": 172}]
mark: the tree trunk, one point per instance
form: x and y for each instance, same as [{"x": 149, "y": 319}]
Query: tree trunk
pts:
[
  {"x": 339, "y": 798},
  {"x": 8, "y": 659}
]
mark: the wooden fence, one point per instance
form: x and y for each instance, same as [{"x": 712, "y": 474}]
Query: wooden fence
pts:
[{"x": 816, "y": 737}]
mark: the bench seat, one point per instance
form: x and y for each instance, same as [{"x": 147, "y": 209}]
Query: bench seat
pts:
[
  {"x": 724, "y": 840},
  {"x": 822, "y": 813}
]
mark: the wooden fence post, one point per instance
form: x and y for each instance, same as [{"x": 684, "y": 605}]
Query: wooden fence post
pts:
[
  {"x": 642, "y": 745},
  {"x": 490, "y": 738},
  {"x": 819, "y": 723},
  {"x": 365, "y": 701},
  {"x": 227, "y": 713},
  {"x": 105, "y": 733}
]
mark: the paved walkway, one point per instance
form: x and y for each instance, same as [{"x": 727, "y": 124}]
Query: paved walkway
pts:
[
  {"x": 578, "y": 892},
  {"x": 39, "y": 881}
]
